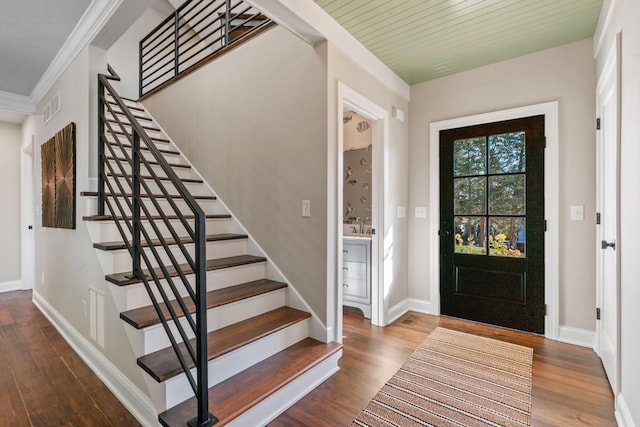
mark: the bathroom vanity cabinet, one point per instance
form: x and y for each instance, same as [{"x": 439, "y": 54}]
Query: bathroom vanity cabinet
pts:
[{"x": 356, "y": 277}]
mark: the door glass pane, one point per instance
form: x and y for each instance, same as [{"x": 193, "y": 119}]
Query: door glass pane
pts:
[
  {"x": 470, "y": 234},
  {"x": 469, "y": 196},
  {"x": 507, "y": 153},
  {"x": 469, "y": 156},
  {"x": 507, "y": 195},
  {"x": 507, "y": 236}
]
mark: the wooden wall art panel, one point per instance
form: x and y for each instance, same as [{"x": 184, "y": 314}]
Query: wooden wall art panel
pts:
[{"x": 59, "y": 179}]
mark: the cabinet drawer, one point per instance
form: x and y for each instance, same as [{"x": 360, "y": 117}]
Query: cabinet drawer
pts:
[
  {"x": 354, "y": 287},
  {"x": 354, "y": 270},
  {"x": 351, "y": 252}
]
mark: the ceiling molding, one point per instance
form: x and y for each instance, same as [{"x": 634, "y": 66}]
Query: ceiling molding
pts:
[
  {"x": 96, "y": 15},
  {"x": 311, "y": 23},
  {"x": 17, "y": 103}
]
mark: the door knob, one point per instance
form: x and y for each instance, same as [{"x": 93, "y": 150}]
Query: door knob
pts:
[{"x": 606, "y": 245}]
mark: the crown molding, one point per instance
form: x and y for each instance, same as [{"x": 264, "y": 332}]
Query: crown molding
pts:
[
  {"x": 18, "y": 103},
  {"x": 93, "y": 19}
]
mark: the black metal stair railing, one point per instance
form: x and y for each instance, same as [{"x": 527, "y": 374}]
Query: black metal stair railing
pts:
[
  {"x": 125, "y": 179},
  {"x": 195, "y": 31}
]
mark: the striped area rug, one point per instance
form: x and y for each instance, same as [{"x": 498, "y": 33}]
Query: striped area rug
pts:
[{"x": 456, "y": 379}]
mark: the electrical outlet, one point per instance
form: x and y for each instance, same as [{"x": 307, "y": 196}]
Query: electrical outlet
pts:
[
  {"x": 402, "y": 211},
  {"x": 421, "y": 212}
]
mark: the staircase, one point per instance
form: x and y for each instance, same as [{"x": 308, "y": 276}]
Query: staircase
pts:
[{"x": 260, "y": 358}]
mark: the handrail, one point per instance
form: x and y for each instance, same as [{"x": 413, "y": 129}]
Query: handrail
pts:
[
  {"x": 197, "y": 30},
  {"x": 150, "y": 266}
]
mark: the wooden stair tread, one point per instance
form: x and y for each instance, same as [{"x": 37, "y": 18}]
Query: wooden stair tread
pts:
[
  {"x": 153, "y": 162},
  {"x": 232, "y": 397},
  {"x": 161, "y": 178},
  {"x": 146, "y": 316},
  {"x": 146, "y": 127},
  {"x": 155, "y": 217},
  {"x": 163, "y": 364},
  {"x": 120, "y": 279},
  {"x": 114, "y": 246},
  {"x": 157, "y": 196}
]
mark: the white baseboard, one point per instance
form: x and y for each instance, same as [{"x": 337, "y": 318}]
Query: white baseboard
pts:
[
  {"x": 128, "y": 393},
  {"x": 12, "y": 285},
  {"x": 409, "y": 304},
  {"x": 622, "y": 413},
  {"x": 581, "y": 337}
]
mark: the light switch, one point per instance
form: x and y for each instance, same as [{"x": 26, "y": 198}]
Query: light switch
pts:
[
  {"x": 402, "y": 211},
  {"x": 421, "y": 212},
  {"x": 577, "y": 213},
  {"x": 306, "y": 208}
]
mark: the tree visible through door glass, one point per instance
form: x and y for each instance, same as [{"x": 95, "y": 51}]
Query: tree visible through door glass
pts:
[{"x": 489, "y": 181}]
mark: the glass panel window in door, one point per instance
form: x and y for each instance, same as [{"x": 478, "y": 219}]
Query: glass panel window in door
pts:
[
  {"x": 470, "y": 234},
  {"x": 507, "y": 236},
  {"x": 507, "y": 153},
  {"x": 469, "y": 156},
  {"x": 469, "y": 196},
  {"x": 507, "y": 195}
]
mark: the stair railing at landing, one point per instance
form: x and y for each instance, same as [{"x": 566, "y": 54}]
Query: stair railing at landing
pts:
[
  {"x": 195, "y": 32},
  {"x": 126, "y": 176}
]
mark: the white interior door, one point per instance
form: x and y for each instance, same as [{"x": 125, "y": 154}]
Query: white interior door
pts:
[{"x": 607, "y": 99}]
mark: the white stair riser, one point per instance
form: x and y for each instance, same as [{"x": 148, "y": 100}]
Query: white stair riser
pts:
[
  {"x": 120, "y": 260},
  {"x": 157, "y": 169},
  {"x": 170, "y": 158},
  {"x": 208, "y": 206},
  {"x": 177, "y": 389},
  {"x": 107, "y": 231},
  {"x": 153, "y": 133},
  {"x": 154, "y": 338},
  {"x": 195, "y": 188},
  {"x": 134, "y": 296}
]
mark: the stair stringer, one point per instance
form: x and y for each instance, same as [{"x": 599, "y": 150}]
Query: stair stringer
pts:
[{"x": 317, "y": 329}]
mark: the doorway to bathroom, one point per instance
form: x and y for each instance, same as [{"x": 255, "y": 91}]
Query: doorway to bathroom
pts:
[{"x": 360, "y": 157}]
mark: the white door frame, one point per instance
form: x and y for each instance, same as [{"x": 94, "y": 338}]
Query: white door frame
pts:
[
  {"x": 27, "y": 215},
  {"x": 379, "y": 117},
  {"x": 551, "y": 201},
  {"x": 610, "y": 79}
]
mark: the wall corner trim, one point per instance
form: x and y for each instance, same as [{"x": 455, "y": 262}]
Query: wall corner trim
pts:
[
  {"x": 12, "y": 285},
  {"x": 577, "y": 336},
  {"x": 126, "y": 392},
  {"x": 409, "y": 304},
  {"x": 622, "y": 413}
]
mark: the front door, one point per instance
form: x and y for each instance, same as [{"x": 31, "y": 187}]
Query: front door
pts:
[{"x": 492, "y": 223}]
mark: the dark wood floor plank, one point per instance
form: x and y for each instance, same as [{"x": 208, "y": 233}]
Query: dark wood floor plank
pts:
[
  {"x": 43, "y": 382},
  {"x": 569, "y": 384}
]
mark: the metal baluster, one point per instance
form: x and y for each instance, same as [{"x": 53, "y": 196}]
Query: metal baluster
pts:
[{"x": 101, "y": 142}]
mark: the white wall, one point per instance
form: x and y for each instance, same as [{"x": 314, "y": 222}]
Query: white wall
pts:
[
  {"x": 124, "y": 55},
  {"x": 393, "y": 235},
  {"x": 566, "y": 74},
  {"x": 66, "y": 264},
  {"x": 10, "y": 223},
  {"x": 253, "y": 122},
  {"x": 623, "y": 16}
]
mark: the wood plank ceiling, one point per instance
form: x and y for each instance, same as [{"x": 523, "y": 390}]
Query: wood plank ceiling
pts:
[{"x": 425, "y": 39}]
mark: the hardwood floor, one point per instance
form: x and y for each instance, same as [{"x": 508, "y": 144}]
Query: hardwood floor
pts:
[
  {"x": 43, "y": 382},
  {"x": 569, "y": 384}
]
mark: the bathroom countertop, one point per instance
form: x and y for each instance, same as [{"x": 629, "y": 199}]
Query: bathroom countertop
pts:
[{"x": 357, "y": 236}]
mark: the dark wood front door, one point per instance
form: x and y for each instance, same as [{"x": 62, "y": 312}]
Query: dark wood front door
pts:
[{"x": 492, "y": 223}]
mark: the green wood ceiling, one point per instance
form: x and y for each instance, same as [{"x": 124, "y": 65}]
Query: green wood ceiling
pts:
[{"x": 425, "y": 39}]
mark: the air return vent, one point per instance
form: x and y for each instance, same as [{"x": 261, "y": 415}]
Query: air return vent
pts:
[{"x": 52, "y": 108}]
